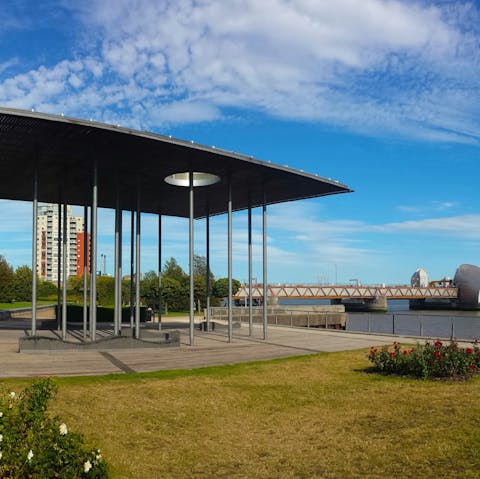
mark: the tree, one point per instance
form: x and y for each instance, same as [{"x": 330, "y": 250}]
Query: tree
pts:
[
  {"x": 149, "y": 289},
  {"x": 220, "y": 287},
  {"x": 106, "y": 290},
  {"x": 75, "y": 285},
  {"x": 46, "y": 290},
  {"x": 200, "y": 290},
  {"x": 173, "y": 270},
  {"x": 6, "y": 281},
  {"x": 200, "y": 267},
  {"x": 174, "y": 294},
  {"x": 22, "y": 283}
]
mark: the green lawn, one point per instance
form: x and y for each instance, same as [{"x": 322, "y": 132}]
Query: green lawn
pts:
[
  {"x": 22, "y": 304},
  {"x": 319, "y": 416}
]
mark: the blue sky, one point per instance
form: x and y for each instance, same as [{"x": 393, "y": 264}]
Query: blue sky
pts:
[{"x": 380, "y": 95}]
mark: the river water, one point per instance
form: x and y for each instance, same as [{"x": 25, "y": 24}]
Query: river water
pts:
[{"x": 400, "y": 320}]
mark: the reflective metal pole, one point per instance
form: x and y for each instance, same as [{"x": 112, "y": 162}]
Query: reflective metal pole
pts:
[
  {"x": 93, "y": 254},
  {"x": 119, "y": 265},
  {"x": 34, "y": 251},
  {"x": 132, "y": 250},
  {"x": 207, "y": 279},
  {"x": 160, "y": 271},
  {"x": 230, "y": 288},
  {"x": 92, "y": 269},
  {"x": 250, "y": 295},
  {"x": 65, "y": 273},
  {"x": 265, "y": 292},
  {"x": 59, "y": 263},
  {"x": 115, "y": 260},
  {"x": 85, "y": 269},
  {"x": 190, "y": 258},
  {"x": 137, "y": 269}
]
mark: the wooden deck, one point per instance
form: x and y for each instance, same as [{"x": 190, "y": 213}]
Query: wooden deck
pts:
[{"x": 210, "y": 348}]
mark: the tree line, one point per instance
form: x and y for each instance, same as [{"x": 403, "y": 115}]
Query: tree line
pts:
[{"x": 16, "y": 285}]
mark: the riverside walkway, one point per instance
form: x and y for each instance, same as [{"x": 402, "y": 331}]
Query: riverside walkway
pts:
[{"x": 210, "y": 349}]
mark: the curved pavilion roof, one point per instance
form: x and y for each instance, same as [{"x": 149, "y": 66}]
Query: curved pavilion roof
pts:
[{"x": 65, "y": 149}]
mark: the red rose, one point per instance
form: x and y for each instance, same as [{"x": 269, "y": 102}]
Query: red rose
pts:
[
  {"x": 392, "y": 355},
  {"x": 469, "y": 350},
  {"x": 405, "y": 352}
]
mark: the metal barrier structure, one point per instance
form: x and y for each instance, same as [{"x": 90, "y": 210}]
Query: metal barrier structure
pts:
[
  {"x": 284, "y": 317},
  {"x": 422, "y": 325}
]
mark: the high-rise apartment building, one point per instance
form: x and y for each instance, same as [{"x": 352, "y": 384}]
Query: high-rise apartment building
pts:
[{"x": 47, "y": 243}]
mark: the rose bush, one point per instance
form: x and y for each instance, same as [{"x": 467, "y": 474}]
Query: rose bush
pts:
[
  {"x": 33, "y": 444},
  {"x": 432, "y": 360}
]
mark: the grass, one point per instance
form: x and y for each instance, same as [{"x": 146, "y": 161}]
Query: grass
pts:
[
  {"x": 22, "y": 304},
  {"x": 320, "y": 416},
  {"x": 172, "y": 314}
]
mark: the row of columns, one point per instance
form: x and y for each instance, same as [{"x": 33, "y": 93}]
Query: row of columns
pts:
[{"x": 90, "y": 313}]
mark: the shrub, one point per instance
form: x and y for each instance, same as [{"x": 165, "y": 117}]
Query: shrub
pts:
[
  {"x": 33, "y": 444},
  {"x": 432, "y": 360}
]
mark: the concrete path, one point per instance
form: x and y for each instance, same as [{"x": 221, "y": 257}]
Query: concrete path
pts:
[{"x": 209, "y": 349}]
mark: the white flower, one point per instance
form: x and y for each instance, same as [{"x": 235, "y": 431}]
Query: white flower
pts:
[
  {"x": 1, "y": 437},
  {"x": 29, "y": 455},
  {"x": 12, "y": 394},
  {"x": 98, "y": 457},
  {"x": 1, "y": 454},
  {"x": 63, "y": 429},
  {"x": 87, "y": 466},
  {"x": 1, "y": 414}
]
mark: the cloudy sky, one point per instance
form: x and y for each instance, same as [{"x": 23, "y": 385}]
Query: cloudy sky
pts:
[{"x": 380, "y": 95}]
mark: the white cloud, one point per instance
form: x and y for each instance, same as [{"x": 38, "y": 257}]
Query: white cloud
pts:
[
  {"x": 378, "y": 67},
  {"x": 463, "y": 226}
]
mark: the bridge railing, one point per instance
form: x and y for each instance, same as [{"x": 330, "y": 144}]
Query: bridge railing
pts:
[{"x": 339, "y": 292}]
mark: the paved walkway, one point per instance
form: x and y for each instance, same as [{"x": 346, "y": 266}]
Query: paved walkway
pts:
[{"x": 209, "y": 349}]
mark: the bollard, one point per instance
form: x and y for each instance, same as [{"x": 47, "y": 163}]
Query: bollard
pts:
[
  {"x": 453, "y": 328},
  {"x": 326, "y": 322},
  {"x": 291, "y": 318},
  {"x": 421, "y": 326},
  {"x": 308, "y": 319},
  {"x": 393, "y": 324},
  {"x": 369, "y": 325}
]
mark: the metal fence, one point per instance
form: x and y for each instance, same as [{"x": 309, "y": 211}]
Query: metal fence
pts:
[{"x": 424, "y": 325}]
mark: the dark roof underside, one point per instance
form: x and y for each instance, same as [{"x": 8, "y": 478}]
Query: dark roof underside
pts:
[{"x": 65, "y": 150}]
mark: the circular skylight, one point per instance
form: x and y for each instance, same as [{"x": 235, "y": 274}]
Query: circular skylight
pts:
[{"x": 199, "y": 179}]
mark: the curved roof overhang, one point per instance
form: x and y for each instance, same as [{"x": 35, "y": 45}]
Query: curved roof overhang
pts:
[{"x": 65, "y": 149}]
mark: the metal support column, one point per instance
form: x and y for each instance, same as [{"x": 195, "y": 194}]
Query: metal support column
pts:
[
  {"x": 34, "y": 251},
  {"x": 250, "y": 293},
  {"x": 207, "y": 279},
  {"x": 264, "y": 247},
  {"x": 59, "y": 263},
  {"x": 137, "y": 262},
  {"x": 160, "y": 302},
  {"x": 190, "y": 255},
  {"x": 230, "y": 288},
  {"x": 85, "y": 270},
  {"x": 93, "y": 256},
  {"x": 132, "y": 263},
  {"x": 119, "y": 265},
  {"x": 64, "y": 273},
  {"x": 116, "y": 255}
]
